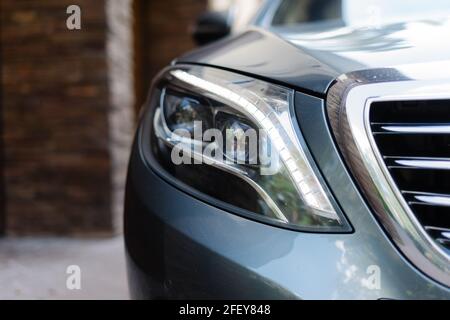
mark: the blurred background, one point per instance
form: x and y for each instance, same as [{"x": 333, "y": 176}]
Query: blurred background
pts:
[{"x": 69, "y": 100}]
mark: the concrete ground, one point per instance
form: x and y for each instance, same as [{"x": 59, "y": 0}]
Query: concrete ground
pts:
[{"x": 35, "y": 268}]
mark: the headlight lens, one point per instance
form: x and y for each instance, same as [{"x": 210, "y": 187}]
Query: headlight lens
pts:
[{"x": 213, "y": 127}]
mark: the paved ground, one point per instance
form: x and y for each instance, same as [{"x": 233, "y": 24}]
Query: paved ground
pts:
[{"x": 35, "y": 268}]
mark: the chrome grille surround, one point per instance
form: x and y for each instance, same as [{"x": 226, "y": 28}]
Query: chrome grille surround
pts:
[{"x": 348, "y": 104}]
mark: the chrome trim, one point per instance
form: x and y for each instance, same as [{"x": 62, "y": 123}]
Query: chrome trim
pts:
[
  {"x": 406, "y": 231},
  {"x": 422, "y": 163},
  {"x": 442, "y": 232},
  {"x": 434, "y": 200},
  {"x": 436, "y": 229},
  {"x": 427, "y": 198},
  {"x": 443, "y": 241},
  {"x": 436, "y": 129}
]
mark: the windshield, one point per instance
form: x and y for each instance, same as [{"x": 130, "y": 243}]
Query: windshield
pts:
[{"x": 358, "y": 12}]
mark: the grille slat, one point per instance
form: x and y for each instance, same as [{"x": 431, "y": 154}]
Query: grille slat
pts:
[
  {"x": 414, "y": 139},
  {"x": 423, "y": 180},
  {"x": 418, "y": 163},
  {"x": 431, "y": 199},
  {"x": 441, "y": 235},
  {"x": 416, "y": 145},
  {"x": 410, "y": 128}
]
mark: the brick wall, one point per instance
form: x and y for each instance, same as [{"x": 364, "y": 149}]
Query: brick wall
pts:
[
  {"x": 66, "y": 104},
  {"x": 163, "y": 32},
  {"x": 56, "y": 118}
]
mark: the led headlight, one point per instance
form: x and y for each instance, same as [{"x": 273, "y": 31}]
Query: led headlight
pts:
[{"x": 233, "y": 138}]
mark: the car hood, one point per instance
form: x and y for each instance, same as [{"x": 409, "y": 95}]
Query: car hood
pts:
[
  {"x": 348, "y": 49},
  {"x": 312, "y": 58}
]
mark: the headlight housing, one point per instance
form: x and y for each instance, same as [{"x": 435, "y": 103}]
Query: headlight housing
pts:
[{"x": 233, "y": 138}]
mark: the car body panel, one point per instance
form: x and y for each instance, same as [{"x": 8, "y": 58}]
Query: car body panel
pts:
[
  {"x": 313, "y": 56},
  {"x": 181, "y": 247},
  {"x": 248, "y": 54}
]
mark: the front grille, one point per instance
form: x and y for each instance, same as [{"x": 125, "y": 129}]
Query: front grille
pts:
[{"x": 413, "y": 138}]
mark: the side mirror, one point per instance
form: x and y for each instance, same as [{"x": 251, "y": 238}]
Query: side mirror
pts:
[{"x": 211, "y": 26}]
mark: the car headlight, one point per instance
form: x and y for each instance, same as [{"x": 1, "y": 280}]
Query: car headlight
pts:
[{"x": 232, "y": 138}]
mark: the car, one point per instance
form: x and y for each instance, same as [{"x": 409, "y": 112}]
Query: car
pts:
[{"x": 305, "y": 157}]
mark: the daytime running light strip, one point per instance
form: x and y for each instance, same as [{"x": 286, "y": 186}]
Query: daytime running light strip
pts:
[{"x": 308, "y": 195}]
